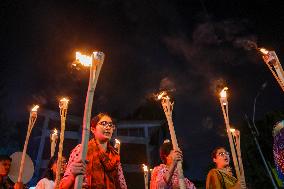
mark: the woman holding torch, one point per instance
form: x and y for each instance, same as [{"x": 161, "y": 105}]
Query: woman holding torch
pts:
[
  {"x": 221, "y": 177},
  {"x": 166, "y": 175},
  {"x": 103, "y": 168}
]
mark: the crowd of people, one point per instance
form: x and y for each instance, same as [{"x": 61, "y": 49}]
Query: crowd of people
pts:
[{"x": 102, "y": 168}]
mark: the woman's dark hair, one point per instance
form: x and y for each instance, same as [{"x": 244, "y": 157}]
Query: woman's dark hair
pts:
[
  {"x": 4, "y": 157},
  {"x": 165, "y": 150},
  {"x": 214, "y": 152},
  {"x": 48, "y": 172},
  {"x": 95, "y": 120}
]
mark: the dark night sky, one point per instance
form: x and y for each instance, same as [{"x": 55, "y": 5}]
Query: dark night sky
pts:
[{"x": 191, "y": 46}]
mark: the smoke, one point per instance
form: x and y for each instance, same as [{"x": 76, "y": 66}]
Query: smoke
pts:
[{"x": 167, "y": 84}]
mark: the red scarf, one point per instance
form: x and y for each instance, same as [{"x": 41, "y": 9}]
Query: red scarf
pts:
[{"x": 102, "y": 167}]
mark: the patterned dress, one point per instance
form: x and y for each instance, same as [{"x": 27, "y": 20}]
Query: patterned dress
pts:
[
  {"x": 158, "y": 181},
  {"x": 103, "y": 170},
  {"x": 219, "y": 179}
]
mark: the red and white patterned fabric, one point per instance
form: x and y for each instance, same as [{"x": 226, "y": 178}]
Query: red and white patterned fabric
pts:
[
  {"x": 104, "y": 169},
  {"x": 158, "y": 179}
]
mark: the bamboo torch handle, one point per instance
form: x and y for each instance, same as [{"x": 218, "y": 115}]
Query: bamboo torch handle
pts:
[
  {"x": 32, "y": 120},
  {"x": 233, "y": 150},
  {"x": 94, "y": 75},
  {"x": 167, "y": 106}
]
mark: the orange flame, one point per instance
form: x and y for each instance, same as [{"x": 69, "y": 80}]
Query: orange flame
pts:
[
  {"x": 34, "y": 109},
  {"x": 117, "y": 141},
  {"x": 163, "y": 95},
  {"x": 145, "y": 168},
  {"x": 64, "y": 100},
  {"x": 55, "y": 132},
  {"x": 232, "y": 130},
  {"x": 84, "y": 59},
  {"x": 223, "y": 93},
  {"x": 263, "y": 51}
]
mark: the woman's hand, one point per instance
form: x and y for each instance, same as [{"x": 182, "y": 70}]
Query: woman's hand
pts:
[
  {"x": 18, "y": 185},
  {"x": 78, "y": 167},
  {"x": 177, "y": 155}
]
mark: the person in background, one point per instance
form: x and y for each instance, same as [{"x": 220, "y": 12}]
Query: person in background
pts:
[
  {"x": 221, "y": 177},
  {"x": 48, "y": 181},
  {"x": 166, "y": 174}
]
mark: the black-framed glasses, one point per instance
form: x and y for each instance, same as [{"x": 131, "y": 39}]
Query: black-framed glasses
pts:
[
  {"x": 105, "y": 124},
  {"x": 223, "y": 154}
]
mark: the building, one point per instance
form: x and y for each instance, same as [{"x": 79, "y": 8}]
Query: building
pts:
[{"x": 140, "y": 142}]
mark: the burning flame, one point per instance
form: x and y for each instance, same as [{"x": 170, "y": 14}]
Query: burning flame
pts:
[
  {"x": 117, "y": 141},
  {"x": 263, "y": 51},
  {"x": 35, "y": 108},
  {"x": 163, "y": 95},
  {"x": 64, "y": 100},
  {"x": 223, "y": 93},
  {"x": 84, "y": 59},
  {"x": 145, "y": 168},
  {"x": 55, "y": 132},
  {"x": 232, "y": 130}
]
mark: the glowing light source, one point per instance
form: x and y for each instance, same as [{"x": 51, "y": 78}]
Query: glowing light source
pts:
[
  {"x": 223, "y": 93},
  {"x": 117, "y": 141},
  {"x": 145, "y": 168},
  {"x": 84, "y": 59},
  {"x": 263, "y": 51},
  {"x": 34, "y": 109}
]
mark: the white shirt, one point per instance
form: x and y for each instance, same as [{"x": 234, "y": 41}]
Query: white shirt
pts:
[{"x": 45, "y": 184}]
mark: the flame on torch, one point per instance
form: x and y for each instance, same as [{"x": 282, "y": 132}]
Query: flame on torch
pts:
[
  {"x": 232, "y": 130},
  {"x": 64, "y": 100},
  {"x": 34, "y": 109},
  {"x": 84, "y": 59},
  {"x": 63, "y": 103},
  {"x": 163, "y": 95},
  {"x": 223, "y": 93},
  {"x": 145, "y": 168},
  {"x": 263, "y": 51},
  {"x": 55, "y": 132},
  {"x": 117, "y": 141}
]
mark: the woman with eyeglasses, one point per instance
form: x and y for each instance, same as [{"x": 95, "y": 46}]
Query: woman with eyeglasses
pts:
[
  {"x": 103, "y": 168},
  {"x": 221, "y": 177},
  {"x": 48, "y": 181},
  {"x": 166, "y": 175}
]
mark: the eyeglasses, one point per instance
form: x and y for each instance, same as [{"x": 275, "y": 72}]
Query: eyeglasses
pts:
[
  {"x": 105, "y": 124},
  {"x": 223, "y": 154}
]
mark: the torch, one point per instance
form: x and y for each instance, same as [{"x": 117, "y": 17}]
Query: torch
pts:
[
  {"x": 117, "y": 145},
  {"x": 146, "y": 175},
  {"x": 168, "y": 109},
  {"x": 237, "y": 140},
  {"x": 32, "y": 120},
  {"x": 63, "y": 105},
  {"x": 95, "y": 62},
  {"x": 53, "y": 141},
  {"x": 225, "y": 110},
  {"x": 271, "y": 60}
]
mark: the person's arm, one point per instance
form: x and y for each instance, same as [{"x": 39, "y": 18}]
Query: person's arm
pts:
[
  {"x": 75, "y": 167},
  {"x": 18, "y": 185},
  {"x": 177, "y": 156}
]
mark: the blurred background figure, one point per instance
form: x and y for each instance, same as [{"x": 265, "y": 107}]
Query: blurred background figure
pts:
[{"x": 48, "y": 180}]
